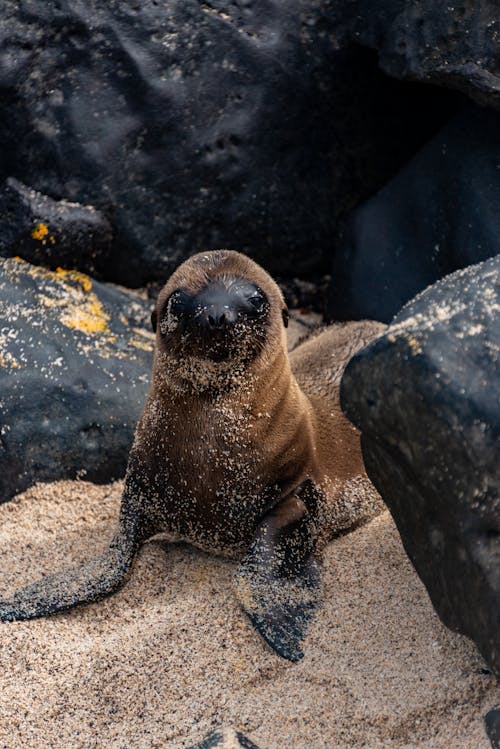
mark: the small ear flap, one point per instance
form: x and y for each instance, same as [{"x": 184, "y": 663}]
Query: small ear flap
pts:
[
  {"x": 154, "y": 318},
  {"x": 285, "y": 316}
]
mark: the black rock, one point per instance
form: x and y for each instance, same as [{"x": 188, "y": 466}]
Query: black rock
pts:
[
  {"x": 439, "y": 214},
  {"x": 49, "y": 232},
  {"x": 492, "y": 725},
  {"x": 75, "y": 361},
  {"x": 449, "y": 44},
  {"x": 191, "y": 126},
  {"x": 225, "y": 739},
  {"x": 426, "y": 399}
]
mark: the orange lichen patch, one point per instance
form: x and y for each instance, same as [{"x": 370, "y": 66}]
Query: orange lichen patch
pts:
[
  {"x": 69, "y": 291},
  {"x": 40, "y": 231},
  {"x": 415, "y": 346},
  {"x": 34, "y": 270},
  {"x": 90, "y": 318},
  {"x": 68, "y": 294},
  {"x": 52, "y": 239},
  {"x": 143, "y": 345},
  {"x": 74, "y": 275},
  {"x": 7, "y": 360}
]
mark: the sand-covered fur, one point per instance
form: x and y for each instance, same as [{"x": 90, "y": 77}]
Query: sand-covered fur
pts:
[{"x": 239, "y": 450}]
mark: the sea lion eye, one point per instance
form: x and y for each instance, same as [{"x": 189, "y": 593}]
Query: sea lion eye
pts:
[
  {"x": 174, "y": 308},
  {"x": 257, "y": 301},
  {"x": 177, "y": 303}
]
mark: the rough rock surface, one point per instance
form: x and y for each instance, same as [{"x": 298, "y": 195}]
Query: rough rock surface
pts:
[
  {"x": 75, "y": 361},
  {"x": 439, "y": 214},
  {"x": 426, "y": 398},
  {"x": 49, "y": 232},
  {"x": 449, "y": 44},
  {"x": 197, "y": 125}
]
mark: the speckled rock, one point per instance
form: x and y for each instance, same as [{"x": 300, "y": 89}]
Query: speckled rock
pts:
[
  {"x": 190, "y": 126},
  {"x": 426, "y": 397},
  {"x": 225, "y": 738},
  {"x": 50, "y": 232},
  {"x": 75, "y": 361},
  {"x": 439, "y": 214}
]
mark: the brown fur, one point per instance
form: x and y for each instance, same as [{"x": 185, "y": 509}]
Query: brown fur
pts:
[
  {"x": 222, "y": 443},
  {"x": 250, "y": 454}
]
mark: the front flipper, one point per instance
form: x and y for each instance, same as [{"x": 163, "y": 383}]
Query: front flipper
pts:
[
  {"x": 89, "y": 582},
  {"x": 278, "y": 581}
]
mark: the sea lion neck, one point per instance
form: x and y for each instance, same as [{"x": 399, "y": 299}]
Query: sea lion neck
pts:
[{"x": 204, "y": 381}]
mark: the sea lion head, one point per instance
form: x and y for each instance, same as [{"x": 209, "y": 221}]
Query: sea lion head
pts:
[{"x": 221, "y": 312}]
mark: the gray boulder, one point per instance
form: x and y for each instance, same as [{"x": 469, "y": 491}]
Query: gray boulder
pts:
[
  {"x": 452, "y": 45},
  {"x": 437, "y": 215},
  {"x": 75, "y": 361},
  {"x": 426, "y": 397},
  {"x": 50, "y": 232}
]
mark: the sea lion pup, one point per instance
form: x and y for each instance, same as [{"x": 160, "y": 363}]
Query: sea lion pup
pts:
[{"x": 240, "y": 449}]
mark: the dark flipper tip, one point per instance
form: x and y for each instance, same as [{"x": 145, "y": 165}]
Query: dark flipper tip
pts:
[
  {"x": 284, "y": 642},
  {"x": 280, "y": 608}
]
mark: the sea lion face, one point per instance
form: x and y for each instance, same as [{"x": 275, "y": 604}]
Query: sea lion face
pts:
[
  {"x": 225, "y": 319},
  {"x": 220, "y": 310}
]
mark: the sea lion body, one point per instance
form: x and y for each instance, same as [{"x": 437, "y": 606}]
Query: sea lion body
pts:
[
  {"x": 224, "y": 445},
  {"x": 222, "y": 459},
  {"x": 241, "y": 449}
]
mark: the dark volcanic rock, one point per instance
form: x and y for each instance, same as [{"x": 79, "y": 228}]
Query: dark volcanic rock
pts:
[
  {"x": 192, "y": 126},
  {"x": 250, "y": 124},
  {"x": 426, "y": 397},
  {"x": 75, "y": 361},
  {"x": 492, "y": 725},
  {"x": 49, "y": 232},
  {"x": 450, "y": 44},
  {"x": 439, "y": 214}
]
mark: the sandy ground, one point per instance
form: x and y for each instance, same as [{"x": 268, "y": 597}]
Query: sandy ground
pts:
[{"x": 171, "y": 656}]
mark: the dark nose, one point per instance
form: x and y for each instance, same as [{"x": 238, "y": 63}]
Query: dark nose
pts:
[{"x": 218, "y": 317}]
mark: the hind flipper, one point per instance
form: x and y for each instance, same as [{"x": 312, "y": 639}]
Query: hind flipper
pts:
[
  {"x": 278, "y": 581},
  {"x": 88, "y": 582}
]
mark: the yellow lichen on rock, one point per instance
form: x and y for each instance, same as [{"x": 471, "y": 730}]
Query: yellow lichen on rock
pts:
[
  {"x": 8, "y": 361},
  {"x": 68, "y": 294},
  {"x": 90, "y": 318},
  {"x": 75, "y": 275},
  {"x": 414, "y": 345},
  {"x": 80, "y": 309},
  {"x": 143, "y": 345},
  {"x": 40, "y": 231}
]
